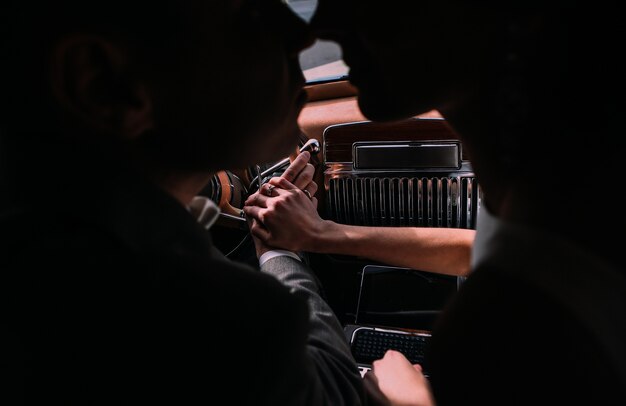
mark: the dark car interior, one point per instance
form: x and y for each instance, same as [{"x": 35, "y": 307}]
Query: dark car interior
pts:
[{"x": 410, "y": 173}]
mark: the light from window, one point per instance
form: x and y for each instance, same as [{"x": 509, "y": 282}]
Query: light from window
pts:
[{"x": 322, "y": 60}]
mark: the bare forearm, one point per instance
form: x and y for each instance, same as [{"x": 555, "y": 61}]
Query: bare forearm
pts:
[{"x": 440, "y": 250}]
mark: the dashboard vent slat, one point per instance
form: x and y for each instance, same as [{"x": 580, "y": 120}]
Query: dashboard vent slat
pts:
[{"x": 448, "y": 201}]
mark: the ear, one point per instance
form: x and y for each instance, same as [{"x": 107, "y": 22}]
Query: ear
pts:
[{"x": 91, "y": 81}]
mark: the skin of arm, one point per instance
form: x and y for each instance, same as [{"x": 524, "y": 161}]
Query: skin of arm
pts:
[
  {"x": 290, "y": 220},
  {"x": 440, "y": 250}
]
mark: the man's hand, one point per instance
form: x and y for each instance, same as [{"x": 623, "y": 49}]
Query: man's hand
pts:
[
  {"x": 287, "y": 219},
  {"x": 394, "y": 381}
]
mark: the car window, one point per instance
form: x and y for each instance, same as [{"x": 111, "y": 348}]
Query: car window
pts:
[{"x": 323, "y": 60}]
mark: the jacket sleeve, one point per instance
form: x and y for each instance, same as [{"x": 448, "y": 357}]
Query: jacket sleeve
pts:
[{"x": 337, "y": 380}]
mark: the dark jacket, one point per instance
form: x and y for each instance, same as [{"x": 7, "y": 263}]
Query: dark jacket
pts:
[
  {"x": 112, "y": 293},
  {"x": 540, "y": 321}
]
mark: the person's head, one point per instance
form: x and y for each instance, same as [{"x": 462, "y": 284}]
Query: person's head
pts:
[
  {"x": 527, "y": 84},
  {"x": 408, "y": 57},
  {"x": 197, "y": 85}
]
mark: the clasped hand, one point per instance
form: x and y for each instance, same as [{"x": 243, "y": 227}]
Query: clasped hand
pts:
[{"x": 280, "y": 214}]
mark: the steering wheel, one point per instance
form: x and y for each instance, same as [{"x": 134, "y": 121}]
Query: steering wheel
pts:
[{"x": 229, "y": 189}]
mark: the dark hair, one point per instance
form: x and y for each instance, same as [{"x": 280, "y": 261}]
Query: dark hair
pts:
[
  {"x": 29, "y": 29},
  {"x": 32, "y": 125}
]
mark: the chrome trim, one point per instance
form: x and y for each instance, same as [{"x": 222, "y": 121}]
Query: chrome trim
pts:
[
  {"x": 402, "y": 198},
  {"x": 362, "y": 154},
  {"x": 389, "y": 330}
]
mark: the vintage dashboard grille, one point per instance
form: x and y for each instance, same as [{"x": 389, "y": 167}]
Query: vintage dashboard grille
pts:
[
  {"x": 411, "y": 173},
  {"x": 427, "y": 200}
]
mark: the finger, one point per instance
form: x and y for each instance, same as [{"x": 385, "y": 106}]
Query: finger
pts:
[
  {"x": 305, "y": 176},
  {"x": 267, "y": 189},
  {"x": 254, "y": 212},
  {"x": 257, "y": 199},
  {"x": 417, "y": 367},
  {"x": 296, "y": 166},
  {"x": 311, "y": 187},
  {"x": 260, "y": 232},
  {"x": 262, "y": 194},
  {"x": 282, "y": 183},
  {"x": 250, "y": 201},
  {"x": 314, "y": 201}
]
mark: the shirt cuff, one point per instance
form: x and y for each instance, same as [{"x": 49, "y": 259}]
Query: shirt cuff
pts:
[{"x": 277, "y": 253}]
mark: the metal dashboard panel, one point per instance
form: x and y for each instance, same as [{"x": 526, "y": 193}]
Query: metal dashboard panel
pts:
[{"x": 399, "y": 183}]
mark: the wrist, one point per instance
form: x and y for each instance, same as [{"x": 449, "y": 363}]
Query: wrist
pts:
[
  {"x": 266, "y": 256},
  {"x": 260, "y": 247},
  {"x": 322, "y": 237},
  {"x": 261, "y": 250}
]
